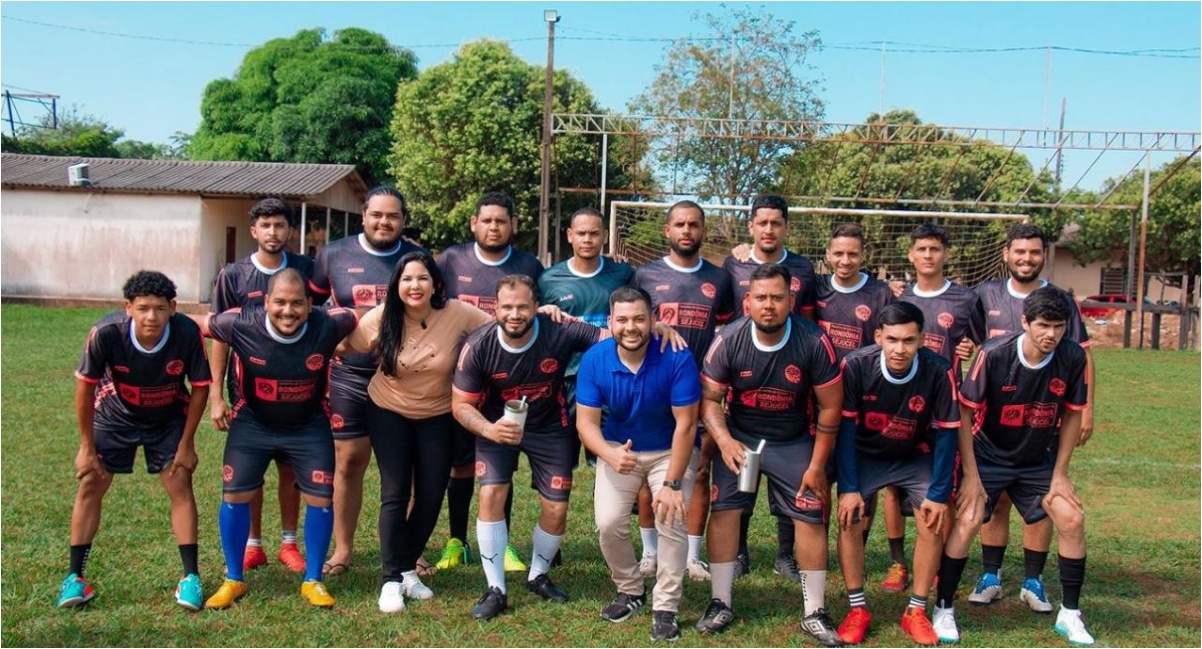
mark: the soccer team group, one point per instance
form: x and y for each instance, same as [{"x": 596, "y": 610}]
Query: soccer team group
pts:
[{"x": 673, "y": 377}]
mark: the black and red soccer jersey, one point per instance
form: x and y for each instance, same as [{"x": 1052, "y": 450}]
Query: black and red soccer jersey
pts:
[
  {"x": 490, "y": 367},
  {"x": 691, "y": 300},
  {"x": 473, "y": 279},
  {"x": 850, "y": 315},
  {"x": 769, "y": 387},
  {"x": 143, "y": 388},
  {"x": 894, "y": 416},
  {"x": 281, "y": 380},
  {"x": 951, "y": 314},
  {"x": 354, "y": 275},
  {"x": 244, "y": 283},
  {"x": 1019, "y": 405},
  {"x": 1004, "y": 312},
  {"x": 801, "y": 284}
]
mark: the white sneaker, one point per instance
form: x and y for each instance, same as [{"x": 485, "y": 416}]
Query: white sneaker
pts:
[
  {"x": 1070, "y": 625},
  {"x": 697, "y": 570},
  {"x": 944, "y": 621},
  {"x": 413, "y": 586},
  {"x": 391, "y": 600},
  {"x": 648, "y": 565}
]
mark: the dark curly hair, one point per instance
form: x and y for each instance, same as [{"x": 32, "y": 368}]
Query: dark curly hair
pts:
[
  {"x": 148, "y": 283},
  {"x": 273, "y": 207}
]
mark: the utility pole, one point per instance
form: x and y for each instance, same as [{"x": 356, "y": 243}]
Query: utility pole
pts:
[
  {"x": 1060, "y": 142},
  {"x": 544, "y": 198}
]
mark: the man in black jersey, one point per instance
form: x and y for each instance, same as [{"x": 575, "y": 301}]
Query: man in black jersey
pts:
[
  {"x": 1024, "y": 253},
  {"x": 243, "y": 284},
  {"x": 471, "y": 271},
  {"x": 1021, "y": 409},
  {"x": 767, "y": 366},
  {"x": 281, "y": 359},
  {"x": 140, "y": 359},
  {"x": 353, "y": 272},
  {"x": 769, "y": 228},
  {"x": 849, "y": 301},
  {"x": 900, "y": 418},
  {"x": 522, "y": 357}
]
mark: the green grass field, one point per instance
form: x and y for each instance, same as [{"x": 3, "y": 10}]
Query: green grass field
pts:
[{"x": 1139, "y": 478}]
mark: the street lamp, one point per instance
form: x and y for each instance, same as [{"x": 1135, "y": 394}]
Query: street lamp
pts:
[{"x": 544, "y": 200}]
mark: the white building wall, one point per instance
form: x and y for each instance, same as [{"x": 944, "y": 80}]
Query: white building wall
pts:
[{"x": 85, "y": 244}]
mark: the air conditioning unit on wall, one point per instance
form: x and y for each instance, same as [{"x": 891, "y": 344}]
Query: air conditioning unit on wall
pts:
[{"x": 77, "y": 175}]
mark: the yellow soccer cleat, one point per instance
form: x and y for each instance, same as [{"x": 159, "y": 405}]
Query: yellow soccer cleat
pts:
[
  {"x": 513, "y": 563},
  {"x": 316, "y": 594},
  {"x": 231, "y": 591}
]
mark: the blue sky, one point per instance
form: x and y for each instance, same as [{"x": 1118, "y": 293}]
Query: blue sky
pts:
[{"x": 152, "y": 85}]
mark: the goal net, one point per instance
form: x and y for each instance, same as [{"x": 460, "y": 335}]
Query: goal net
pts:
[{"x": 975, "y": 240}]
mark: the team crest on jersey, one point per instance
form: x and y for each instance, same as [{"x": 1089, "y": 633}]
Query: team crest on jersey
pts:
[
  {"x": 1057, "y": 387},
  {"x": 337, "y": 422},
  {"x": 227, "y": 473},
  {"x": 709, "y": 290},
  {"x": 795, "y": 284},
  {"x": 549, "y": 365},
  {"x": 917, "y": 403},
  {"x": 793, "y": 373},
  {"x": 481, "y": 469},
  {"x": 714, "y": 493},
  {"x": 175, "y": 367},
  {"x": 315, "y": 362},
  {"x": 945, "y": 320},
  {"x": 863, "y": 312}
]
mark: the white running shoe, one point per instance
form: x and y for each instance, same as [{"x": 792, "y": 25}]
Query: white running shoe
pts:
[
  {"x": 1032, "y": 594},
  {"x": 413, "y": 586},
  {"x": 697, "y": 570},
  {"x": 944, "y": 621},
  {"x": 391, "y": 600},
  {"x": 1070, "y": 625},
  {"x": 987, "y": 590},
  {"x": 648, "y": 566}
]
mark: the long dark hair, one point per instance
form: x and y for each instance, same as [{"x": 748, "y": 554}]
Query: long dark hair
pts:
[{"x": 392, "y": 325}]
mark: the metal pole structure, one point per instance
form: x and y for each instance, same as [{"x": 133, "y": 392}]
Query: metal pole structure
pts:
[
  {"x": 1047, "y": 85},
  {"x": 882, "y": 110},
  {"x": 329, "y": 213},
  {"x": 1059, "y": 140},
  {"x": 544, "y": 198},
  {"x": 304, "y": 225},
  {"x": 12, "y": 126},
  {"x": 1143, "y": 241},
  {"x": 613, "y": 233}
]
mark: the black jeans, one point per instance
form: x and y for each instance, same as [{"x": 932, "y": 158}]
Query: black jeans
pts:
[{"x": 408, "y": 449}]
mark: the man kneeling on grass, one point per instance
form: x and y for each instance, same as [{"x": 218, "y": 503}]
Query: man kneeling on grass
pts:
[{"x": 140, "y": 359}]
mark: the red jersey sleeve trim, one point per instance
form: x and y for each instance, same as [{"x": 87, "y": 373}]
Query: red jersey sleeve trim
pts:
[
  {"x": 465, "y": 393},
  {"x": 724, "y": 318},
  {"x": 86, "y": 379},
  {"x": 1074, "y": 406},
  {"x": 318, "y": 290},
  {"x": 851, "y": 414},
  {"x": 838, "y": 379},
  {"x": 1087, "y": 344},
  {"x": 971, "y": 404},
  {"x": 713, "y": 382},
  {"x": 201, "y": 384},
  {"x": 947, "y": 424}
]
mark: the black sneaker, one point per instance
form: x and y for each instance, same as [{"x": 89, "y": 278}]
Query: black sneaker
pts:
[
  {"x": 820, "y": 627},
  {"x": 542, "y": 586},
  {"x": 491, "y": 604},
  {"x": 622, "y": 607},
  {"x": 664, "y": 626},
  {"x": 742, "y": 564},
  {"x": 786, "y": 566},
  {"x": 717, "y": 617},
  {"x": 557, "y": 560}
]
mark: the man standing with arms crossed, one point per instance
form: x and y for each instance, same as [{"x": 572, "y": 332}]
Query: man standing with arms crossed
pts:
[
  {"x": 239, "y": 285},
  {"x": 771, "y": 364},
  {"x": 648, "y": 441}
]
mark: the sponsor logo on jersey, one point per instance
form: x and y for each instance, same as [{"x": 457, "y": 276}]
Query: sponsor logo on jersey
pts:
[
  {"x": 561, "y": 483},
  {"x": 500, "y": 376},
  {"x": 227, "y": 473},
  {"x": 131, "y": 394},
  {"x": 807, "y": 501},
  {"x": 548, "y": 365},
  {"x": 917, "y": 403},
  {"x": 993, "y": 313},
  {"x": 257, "y": 361},
  {"x": 795, "y": 285},
  {"x": 1041, "y": 415},
  {"x": 175, "y": 367},
  {"x": 863, "y": 312},
  {"x": 250, "y": 295},
  {"x": 945, "y": 320},
  {"x": 121, "y": 368},
  {"x": 793, "y": 373},
  {"x": 533, "y": 391},
  {"x": 265, "y": 389},
  {"x": 315, "y": 362},
  {"x": 1009, "y": 388},
  {"x": 663, "y": 287},
  {"x": 1012, "y": 415},
  {"x": 354, "y": 270},
  {"x": 708, "y": 290},
  {"x": 337, "y": 422},
  {"x": 744, "y": 374},
  {"x": 841, "y": 335},
  {"x": 1057, "y": 387},
  {"x": 933, "y": 342},
  {"x": 876, "y": 421},
  {"x": 465, "y": 279},
  {"x": 769, "y": 399},
  {"x": 322, "y": 477}
]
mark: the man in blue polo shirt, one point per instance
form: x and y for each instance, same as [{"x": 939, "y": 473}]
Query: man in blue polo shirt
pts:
[{"x": 652, "y": 397}]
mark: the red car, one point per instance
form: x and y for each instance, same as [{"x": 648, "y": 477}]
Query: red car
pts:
[{"x": 1099, "y": 311}]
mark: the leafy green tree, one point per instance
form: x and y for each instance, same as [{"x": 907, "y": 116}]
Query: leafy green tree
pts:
[
  {"x": 747, "y": 65},
  {"x": 80, "y": 134},
  {"x": 307, "y": 99},
  {"x": 474, "y": 124}
]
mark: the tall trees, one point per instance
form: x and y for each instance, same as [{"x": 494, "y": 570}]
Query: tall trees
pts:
[{"x": 80, "y": 134}]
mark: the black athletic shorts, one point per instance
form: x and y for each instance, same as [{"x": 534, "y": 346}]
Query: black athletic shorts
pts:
[
  {"x": 912, "y": 477},
  {"x": 551, "y": 456},
  {"x": 783, "y": 463},
  {"x": 117, "y": 446},
  {"x": 463, "y": 445},
  {"x": 348, "y": 401},
  {"x": 1027, "y": 485},
  {"x": 251, "y": 446}
]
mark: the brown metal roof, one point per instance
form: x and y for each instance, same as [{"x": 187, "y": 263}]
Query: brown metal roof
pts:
[{"x": 243, "y": 179}]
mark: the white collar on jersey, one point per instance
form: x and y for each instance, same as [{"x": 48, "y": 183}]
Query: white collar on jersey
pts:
[
  {"x": 1021, "y": 296},
  {"x": 254, "y": 259},
  {"x": 859, "y": 285},
  {"x": 682, "y": 269},
  {"x": 372, "y": 251},
  {"x": 784, "y": 254},
  {"x": 508, "y": 254},
  {"x": 133, "y": 338},
  {"x": 903, "y": 380},
  {"x": 280, "y": 338},
  {"x": 523, "y": 348},
  {"x": 600, "y": 267},
  {"x": 947, "y": 283},
  {"x": 1018, "y": 349},
  {"x": 755, "y": 337}
]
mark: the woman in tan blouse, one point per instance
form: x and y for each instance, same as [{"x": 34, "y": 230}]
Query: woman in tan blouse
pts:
[{"x": 416, "y": 334}]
